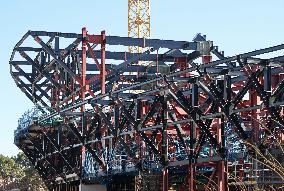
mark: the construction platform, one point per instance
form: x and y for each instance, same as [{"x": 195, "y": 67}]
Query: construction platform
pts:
[{"x": 179, "y": 116}]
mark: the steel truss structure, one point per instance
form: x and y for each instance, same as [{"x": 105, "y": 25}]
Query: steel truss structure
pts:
[{"x": 98, "y": 121}]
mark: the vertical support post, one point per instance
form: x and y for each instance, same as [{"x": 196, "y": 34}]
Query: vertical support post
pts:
[
  {"x": 116, "y": 117},
  {"x": 228, "y": 97},
  {"x": 138, "y": 116},
  {"x": 194, "y": 103},
  {"x": 72, "y": 81},
  {"x": 112, "y": 143},
  {"x": 227, "y": 88},
  {"x": 241, "y": 170},
  {"x": 255, "y": 100},
  {"x": 164, "y": 143},
  {"x": 267, "y": 77},
  {"x": 84, "y": 125},
  {"x": 83, "y": 88},
  {"x": 103, "y": 67},
  {"x": 191, "y": 165},
  {"x": 221, "y": 176},
  {"x": 59, "y": 134},
  {"x": 83, "y": 74},
  {"x": 54, "y": 90},
  {"x": 42, "y": 59},
  {"x": 222, "y": 165},
  {"x": 56, "y": 46},
  {"x": 138, "y": 109},
  {"x": 56, "y": 73},
  {"x": 225, "y": 85}
]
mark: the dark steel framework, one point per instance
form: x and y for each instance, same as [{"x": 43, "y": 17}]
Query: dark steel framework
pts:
[{"x": 103, "y": 115}]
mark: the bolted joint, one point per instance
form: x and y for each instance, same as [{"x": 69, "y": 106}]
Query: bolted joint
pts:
[{"x": 86, "y": 38}]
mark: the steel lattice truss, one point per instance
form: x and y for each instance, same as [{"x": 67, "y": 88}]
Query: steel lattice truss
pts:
[{"x": 102, "y": 114}]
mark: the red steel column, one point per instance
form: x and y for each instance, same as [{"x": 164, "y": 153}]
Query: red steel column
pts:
[
  {"x": 83, "y": 75},
  {"x": 221, "y": 176},
  {"x": 103, "y": 67},
  {"x": 83, "y": 85}
]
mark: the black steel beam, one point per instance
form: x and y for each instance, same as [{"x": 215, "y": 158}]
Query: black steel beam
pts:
[
  {"x": 121, "y": 141},
  {"x": 215, "y": 95},
  {"x": 39, "y": 69},
  {"x": 137, "y": 125},
  {"x": 55, "y": 56},
  {"x": 181, "y": 100},
  {"x": 88, "y": 147}
]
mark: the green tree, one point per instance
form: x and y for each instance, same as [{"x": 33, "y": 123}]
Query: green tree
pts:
[
  {"x": 10, "y": 172},
  {"x": 31, "y": 179},
  {"x": 18, "y": 172}
]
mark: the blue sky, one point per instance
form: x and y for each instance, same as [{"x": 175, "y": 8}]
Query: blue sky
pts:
[{"x": 235, "y": 26}]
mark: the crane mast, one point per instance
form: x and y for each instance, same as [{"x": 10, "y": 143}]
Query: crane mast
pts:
[{"x": 138, "y": 21}]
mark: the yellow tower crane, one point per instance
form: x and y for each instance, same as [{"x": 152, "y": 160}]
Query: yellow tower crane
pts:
[{"x": 138, "y": 21}]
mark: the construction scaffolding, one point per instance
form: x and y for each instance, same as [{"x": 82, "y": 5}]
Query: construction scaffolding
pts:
[{"x": 192, "y": 120}]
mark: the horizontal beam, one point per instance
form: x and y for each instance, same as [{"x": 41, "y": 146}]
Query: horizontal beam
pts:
[
  {"x": 156, "y": 43},
  {"x": 116, "y": 55},
  {"x": 127, "y": 41},
  {"x": 53, "y": 34}
]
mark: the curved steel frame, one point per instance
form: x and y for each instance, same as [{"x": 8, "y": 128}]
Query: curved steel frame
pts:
[{"x": 105, "y": 115}]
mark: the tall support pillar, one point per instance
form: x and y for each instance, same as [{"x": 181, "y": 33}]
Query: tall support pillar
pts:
[
  {"x": 138, "y": 115},
  {"x": 221, "y": 176},
  {"x": 194, "y": 103},
  {"x": 83, "y": 89},
  {"x": 165, "y": 144},
  {"x": 241, "y": 170},
  {"x": 191, "y": 182},
  {"x": 83, "y": 72},
  {"x": 103, "y": 67},
  {"x": 56, "y": 75},
  {"x": 267, "y": 77},
  {"x": 222, "y": 165},
  {"x": 227, "y": 96},
  {"x": 165, "y": 178},
  {"x": 255, "y": 100}
]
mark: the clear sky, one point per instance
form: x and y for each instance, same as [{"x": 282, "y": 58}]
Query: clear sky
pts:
[{"x": 235, "y": 26}]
